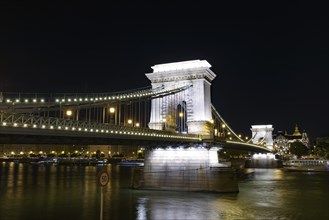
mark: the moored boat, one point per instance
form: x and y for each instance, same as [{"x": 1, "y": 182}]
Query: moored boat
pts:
[
  {"x": 307, "y": 165},
  {"x": 131, "y": 162},
  {"x": 49, "y": 161}
]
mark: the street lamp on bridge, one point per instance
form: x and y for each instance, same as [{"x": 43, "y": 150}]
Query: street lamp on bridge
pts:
[
  {"x": 69, "y": 113},
  {"x": 222, "y": 131},
  {"x": 112, "y": 115},
  {"x": 112, "y": 110}
]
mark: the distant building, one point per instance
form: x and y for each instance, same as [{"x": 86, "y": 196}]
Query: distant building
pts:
[{"x": 282, "y": 140}]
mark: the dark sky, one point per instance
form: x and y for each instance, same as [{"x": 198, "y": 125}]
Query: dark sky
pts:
[{"x": 270, "y": 57}]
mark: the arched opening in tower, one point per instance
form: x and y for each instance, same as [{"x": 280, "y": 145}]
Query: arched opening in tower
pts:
[{"x": 181, "y": 118}]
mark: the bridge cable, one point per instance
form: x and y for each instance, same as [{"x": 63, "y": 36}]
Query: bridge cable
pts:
[{"x": 223, "y": 121}]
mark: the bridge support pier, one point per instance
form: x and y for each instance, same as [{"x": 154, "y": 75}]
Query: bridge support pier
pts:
[{"x": 193, "y": 168}]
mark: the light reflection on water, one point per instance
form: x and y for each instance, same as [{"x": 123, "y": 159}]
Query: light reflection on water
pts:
[{"x": 71, "y": 192}]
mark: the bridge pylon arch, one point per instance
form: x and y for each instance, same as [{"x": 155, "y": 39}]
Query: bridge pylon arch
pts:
[
  {"x": 197, "y": 77},
  {"x": 262, "y": 134}
]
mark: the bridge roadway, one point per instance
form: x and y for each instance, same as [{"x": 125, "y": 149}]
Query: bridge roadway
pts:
[
  {"x": 25, "y": 129},
  {"x": 16, "y": 127},
  {"x": 20, "y": 128}
]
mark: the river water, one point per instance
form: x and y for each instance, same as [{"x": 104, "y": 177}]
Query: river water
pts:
[{"x": 72, "y": 192}]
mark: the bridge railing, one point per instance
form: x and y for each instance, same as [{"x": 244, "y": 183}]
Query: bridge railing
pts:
[
  {"x": 35, "y": 122},
  {"x": 246, "y": 145}
]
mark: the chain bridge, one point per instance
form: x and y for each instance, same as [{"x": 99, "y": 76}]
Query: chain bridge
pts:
[{"x": 175, "y": 109}]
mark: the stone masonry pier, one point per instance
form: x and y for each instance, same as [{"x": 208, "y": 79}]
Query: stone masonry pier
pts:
[{"x": 193, "y": 168}]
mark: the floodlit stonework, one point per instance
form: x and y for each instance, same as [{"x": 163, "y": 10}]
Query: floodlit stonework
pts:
[
  {"x": 262, "y": 134},
  {"x": 196, "y": 76}
]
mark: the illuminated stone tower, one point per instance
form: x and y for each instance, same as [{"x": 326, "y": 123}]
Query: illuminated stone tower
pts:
[
  {"x": 194, "y": 102},
  {"x": 262, "y": 134}
]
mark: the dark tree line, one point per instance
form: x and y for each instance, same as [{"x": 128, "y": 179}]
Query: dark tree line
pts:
[
  {"x": 299, "y": 149},
  {"x": 322, "y": 149}
]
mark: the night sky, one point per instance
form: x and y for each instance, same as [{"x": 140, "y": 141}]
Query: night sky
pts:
[{"x": 270, "y": 57}]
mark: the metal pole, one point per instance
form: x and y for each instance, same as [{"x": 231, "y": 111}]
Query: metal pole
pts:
[
  {"x": 60, "y": 110},
  {"x": 115, "y": 114},
  {"x": 103, "y": 115},
  {"x": 101, "y": 209},
  {"x": 119, "y": 111},
  {"x": 77, "y": 114}
]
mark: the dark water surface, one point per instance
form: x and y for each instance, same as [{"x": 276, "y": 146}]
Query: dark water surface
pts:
[{"x": 72, "y": 192}]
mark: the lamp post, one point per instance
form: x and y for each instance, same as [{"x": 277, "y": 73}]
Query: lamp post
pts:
[
  {"x": 181, "y": 115},
  {"x": 68, "y": 113},
  {"x": 223, "y": 131},
  {"x": 112, "y": 112},
  {"x": 212, "y": 128}
]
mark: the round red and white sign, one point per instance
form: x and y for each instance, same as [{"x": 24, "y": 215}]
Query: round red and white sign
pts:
[{"x": 103, "y": 178}]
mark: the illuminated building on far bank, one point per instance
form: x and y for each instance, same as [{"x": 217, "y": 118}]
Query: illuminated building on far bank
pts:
[{"x": 282, "y": 140}]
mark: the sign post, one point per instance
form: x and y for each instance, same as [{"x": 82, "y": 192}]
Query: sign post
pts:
[{"x": 103, "y": 180}]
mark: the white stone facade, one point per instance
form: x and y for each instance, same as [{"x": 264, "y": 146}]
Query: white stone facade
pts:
[
  {"x": 262, "y": 134},
  {"x": 198, "y": 76}
]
